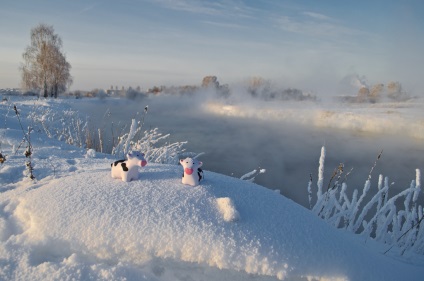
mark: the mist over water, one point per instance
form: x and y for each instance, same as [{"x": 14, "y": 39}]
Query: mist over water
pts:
[{"x": 288, "y": 148}]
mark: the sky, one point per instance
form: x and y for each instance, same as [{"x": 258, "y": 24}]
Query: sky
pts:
[{"x": 311, "y": 45}]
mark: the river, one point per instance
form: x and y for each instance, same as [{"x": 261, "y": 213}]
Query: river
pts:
[{"x": 289, "y": 150}]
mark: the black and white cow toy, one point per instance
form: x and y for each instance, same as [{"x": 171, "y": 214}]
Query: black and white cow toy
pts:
[
  {"x": 127, "y": 170},
  {"x": 192, "y": 172}
]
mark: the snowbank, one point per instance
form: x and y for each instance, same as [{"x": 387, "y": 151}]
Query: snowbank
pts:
[
  {"x": 90, "y": 218},
  {"x": 76, "y": 222}
]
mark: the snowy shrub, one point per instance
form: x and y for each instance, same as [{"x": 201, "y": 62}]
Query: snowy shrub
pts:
[
  {"x": 91, "y": 153},
  {"x": 378, "y": 218},
  {"x": 157, "y": 150},
  {"x": 64, "y": 125},
  {"x": 153, "y": 144}
]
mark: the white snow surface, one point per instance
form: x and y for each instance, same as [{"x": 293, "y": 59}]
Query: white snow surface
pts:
[
  {"x": 75, "y": 222},
  {"x": 227, "y": 209}
]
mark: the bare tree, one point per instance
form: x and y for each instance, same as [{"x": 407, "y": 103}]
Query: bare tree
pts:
[
  {"x": 376, "y": 93},
  {"x": 395, "y": 92},
  {"x": 210, "y": 81},
  {"x": 363, "y": 94},
  {"x": 60, "y": 73},
  {"x": 45, "y": 68}
]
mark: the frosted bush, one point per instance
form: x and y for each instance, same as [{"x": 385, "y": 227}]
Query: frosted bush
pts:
[
  {"x": 400, "y": 228},
  {"x": 91, "y": 153},
  {"x": 64, "y": 125},
  {"x": 152, "y": 143}
]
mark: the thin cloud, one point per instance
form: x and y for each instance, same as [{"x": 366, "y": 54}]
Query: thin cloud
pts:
[
  {"x": 225, "y": 24},
  {"x": 88, "y": 8},
  {"x": 211, "y": 8},
  {"x": 197, "y": 7},
  {"x": 317, "y": 16},
  {"x": 315, "y": 28}
]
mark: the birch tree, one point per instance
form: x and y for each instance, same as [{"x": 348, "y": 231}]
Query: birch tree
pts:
[{"x": 45, "y": 68}]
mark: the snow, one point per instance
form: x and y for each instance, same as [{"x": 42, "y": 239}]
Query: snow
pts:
[
  {"x": 75, "y": 222},
  {"x": 227, "y": 209}
]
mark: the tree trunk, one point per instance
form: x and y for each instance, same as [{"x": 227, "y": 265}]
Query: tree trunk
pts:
[
  {"x": 46, "y": 94},
  {"x": 55, "y": 90}
]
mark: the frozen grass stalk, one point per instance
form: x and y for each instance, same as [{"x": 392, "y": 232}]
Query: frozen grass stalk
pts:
[
  {"x": 250, "y": 176},
  {"x": 152, "y": 143},
  {"x": 310, "y": 191},
  {"x": 400, "y": 228},
  {"x": 100, "y": 140},
  {"x": 321, "y": 173},
  {"x": 28, "y": 151}
]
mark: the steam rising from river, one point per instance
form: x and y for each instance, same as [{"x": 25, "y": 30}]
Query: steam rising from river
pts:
[{"x": 240, "y": 133}]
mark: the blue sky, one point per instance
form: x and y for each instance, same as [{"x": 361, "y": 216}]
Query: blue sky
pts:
[{"x": 307, "y": 44}]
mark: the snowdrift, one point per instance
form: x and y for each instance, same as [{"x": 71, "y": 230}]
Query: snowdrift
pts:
[
  {"x": 76, "y": 222},
  {"x": 56, "y": 227}
]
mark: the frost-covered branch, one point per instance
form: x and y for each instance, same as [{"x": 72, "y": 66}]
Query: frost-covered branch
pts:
[
  {"x": 250, "y": 176},
  {"x": 400, "y": 228},
  {"x": 152, "y": 143},
  {"x": 65, "y": 125}
]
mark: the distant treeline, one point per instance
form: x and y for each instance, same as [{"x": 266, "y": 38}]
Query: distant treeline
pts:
[{"x": 255, "y": 87}]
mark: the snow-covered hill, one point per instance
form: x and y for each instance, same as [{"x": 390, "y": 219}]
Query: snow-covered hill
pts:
[{"x": 74, "y": 222}]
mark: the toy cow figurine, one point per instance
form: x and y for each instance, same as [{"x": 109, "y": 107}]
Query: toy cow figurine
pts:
[
  {"x": 127, "y": 170},
  {"x": 192, "y": 172}
]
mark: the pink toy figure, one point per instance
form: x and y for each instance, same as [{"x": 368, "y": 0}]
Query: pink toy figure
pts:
[
  {"x": 192, "y": 172},
  {"x": 127, "y": 170}
]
